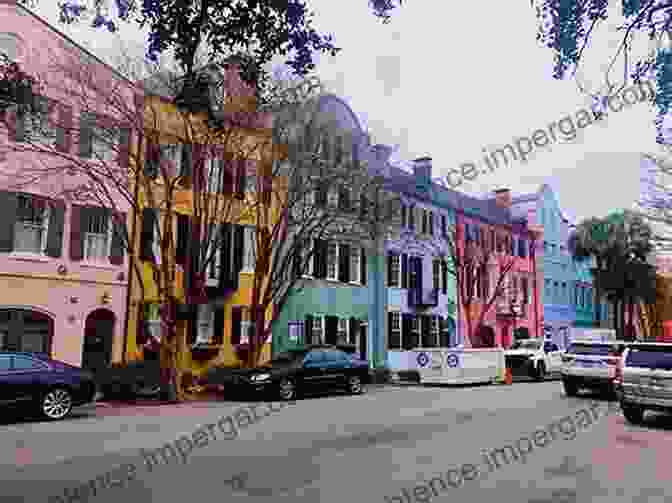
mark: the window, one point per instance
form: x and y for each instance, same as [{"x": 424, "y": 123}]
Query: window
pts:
[
  {"x": 250, "y": 251},
  {"x": 436, "y": 274},
  {"x": 98, "y": 236},
  {"x": 344, "y": 198},
  {"x": 547, "y": 289},
  {"x": 214, "y": 254},
  {"x": 245, "y": 324},
  {"x": 556, "y": 291},
  {"x": 394, "y": 340},
  {"x": 564, "y": 293},
  {"x": 205, "y": 328},
  {"x": 30, "y": 232},
  {"x": 156, "y": 242},
  {"x": 105, "y": 142},
  {"x": 342, "y": 333},
  {"x": 39, "y": 126},
  {"x": 332, "y": 261},
  {"x": 332, "y": 197},
  {"x": 355, "y": 268},
  {"x": 435, "y": 329},
  {"x": 431, "y": 223},
  {"x": 317, "y": 337},
  {"x": 394, "y": 271},
  {"x": 152, "y": 320}
]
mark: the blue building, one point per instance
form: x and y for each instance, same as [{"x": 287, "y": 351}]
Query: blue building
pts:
[{"x": 567, "y": 292}]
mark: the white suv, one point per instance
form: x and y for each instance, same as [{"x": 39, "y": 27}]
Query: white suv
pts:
[
  {"x": 534, "y": 358},
  {"x": 645, "y": 380}
]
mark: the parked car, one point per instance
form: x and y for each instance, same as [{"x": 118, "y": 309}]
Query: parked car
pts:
[
  {"x": 139, "y": 379},
  {"x": 534, "y": 358},
  {"x": 645, "y": 380},
  {"x": 295, "y": 373},
  {"x": 592, "y": 365},
  {"x": 35, "y": 383}
]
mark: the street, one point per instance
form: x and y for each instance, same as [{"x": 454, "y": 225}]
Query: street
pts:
[{"x": 349, "y": 448}]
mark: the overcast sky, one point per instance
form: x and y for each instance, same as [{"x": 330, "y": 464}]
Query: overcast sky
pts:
[{"x": 444, "y": 80}]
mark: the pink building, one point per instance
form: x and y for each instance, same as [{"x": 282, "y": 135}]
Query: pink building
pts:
[
  {"x": 518, "y": 312},
  {"x": 63, "y": 264}
]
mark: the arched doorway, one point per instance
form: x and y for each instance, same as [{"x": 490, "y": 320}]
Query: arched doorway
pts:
[
  {"x": 98, "y": 336},
  {"x": 25, "y": 330}
]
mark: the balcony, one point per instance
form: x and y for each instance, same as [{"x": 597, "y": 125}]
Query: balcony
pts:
[{"x": 423, "y": 298}]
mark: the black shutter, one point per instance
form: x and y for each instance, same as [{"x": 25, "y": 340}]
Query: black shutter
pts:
[
  {"x": 18, "y": 128},
  {"x": 8, "y": 208},
  {"x": 418, "y": 268},
  {"x": 362, "y": 264},
  {"x": 225, "y": 276},
  {"x": 408, "y": 339},
  {"x": 147, "y": 233},
  {"x": 183, "y": 232},
  {"x": 330, "y": 329},
  {"x": 431, "y": 223},
  {"x": 444, "y": 276},
  {"x": 308, "y": 330},
  {"x": 236, "y": 324},
  {"x": 238, "y": 250},
  {"x": 118, "y": 238},
  {"x": 353, "y": 330},
  {"x": 87, "y": 122},
  {"x": 320, "y": 259},
  {"x": 344, "y": 263},
  {"x": 392, "y": 341},
  {"x": 426, "y": 330},
  {"x": 404, "y": 270},
  {"x": 241, "y": 178},
  {"x": 390, "y": 280},
  {"x": 403, "y": 215},
  {"x": 77, "y": 218},
  {"x": 187, "y": 160},
  {"x": 296, "y": 259},
  {"x": 218, "y": 325}
]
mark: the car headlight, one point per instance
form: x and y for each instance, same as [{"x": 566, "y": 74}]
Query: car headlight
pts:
[{"x": 261, "y": 377}]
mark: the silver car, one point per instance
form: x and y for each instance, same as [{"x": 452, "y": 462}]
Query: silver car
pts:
[
  {"x": 591, "y": 365},
  {"x": 646, "y": 380}
]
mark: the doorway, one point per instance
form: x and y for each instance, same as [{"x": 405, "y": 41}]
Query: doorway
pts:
[
  {"x": 98, "y": 336},
  {"x": 363, "y": 340}
]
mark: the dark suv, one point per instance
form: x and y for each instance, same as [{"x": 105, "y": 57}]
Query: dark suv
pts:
[{"x": 35, "y": 383}]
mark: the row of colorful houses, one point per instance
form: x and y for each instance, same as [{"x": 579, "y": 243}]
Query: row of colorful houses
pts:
[{"x": 69, "y": 287}]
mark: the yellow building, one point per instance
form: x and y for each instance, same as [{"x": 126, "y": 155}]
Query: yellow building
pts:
[{"x": 187, "y": 173}]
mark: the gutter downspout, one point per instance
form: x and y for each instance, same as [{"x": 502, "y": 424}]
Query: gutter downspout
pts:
[{"x": 131, "y": 261}]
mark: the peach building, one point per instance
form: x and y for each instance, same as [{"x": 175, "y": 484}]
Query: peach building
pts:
[{"x": 63, "y": 265}]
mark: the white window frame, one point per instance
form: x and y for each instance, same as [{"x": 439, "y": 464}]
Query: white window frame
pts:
[
  {"x": 346, "y": 331},
  {"x": 45, "y": 229},
  {"x": 397, "y": 277},
  {"x": 205, "y": 324},
  {"x": 320, "y": 329},
  {"x": 355, "y": 265},
  {"x": 249, "y": 249},
  {"x": 397, "y": 317},
  {"x": 108, "y": 243},
  {"x": 335, "y": 264}
]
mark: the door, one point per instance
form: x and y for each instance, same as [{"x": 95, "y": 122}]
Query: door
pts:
[
  {"x": 362, "y": 341},
  {"x": 6, "y": 384},
  {"x": 331, "y": 330},
  {"x": 98, "y": 335},
  {"x": 314, "y": 371}
]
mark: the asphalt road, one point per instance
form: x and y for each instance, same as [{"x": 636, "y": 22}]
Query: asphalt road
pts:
[{"x": 351, "y": 449}]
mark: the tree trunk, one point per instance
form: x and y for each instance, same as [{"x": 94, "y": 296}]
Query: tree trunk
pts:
[{"x": 170, "y": 354}]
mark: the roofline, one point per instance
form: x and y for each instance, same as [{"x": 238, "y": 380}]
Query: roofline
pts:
[{"x": 66, "y": 37}]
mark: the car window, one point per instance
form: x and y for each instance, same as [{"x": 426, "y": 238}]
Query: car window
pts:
[
  {"x": 315, "y": 357},
  {"x": 24, "y": 363},
  {"x": 335, "y": 355},
  {"x": 653, "y": 357},
  {"x": 5, "y": 363},
  {"x": 590, "y": 349},
  {"x": 527, "y": 344}
]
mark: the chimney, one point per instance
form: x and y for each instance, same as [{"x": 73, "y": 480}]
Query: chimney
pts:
[
  {"x": 422, "y": 169},
  {"x": 503, "y": 198}
]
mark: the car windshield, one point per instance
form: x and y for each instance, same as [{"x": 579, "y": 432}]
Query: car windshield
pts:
[
  {"x": 652, "y": 357},
  {"x": 590, "y": 349},
  {"x": 287, "y": 358},
  {"x": 533, "y": 345}
]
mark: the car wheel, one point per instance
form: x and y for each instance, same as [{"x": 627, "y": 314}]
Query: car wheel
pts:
[
  {"x": 287, "y": 390},
  {"x": 571, "y": 389},
  {"x": 540, "y": 372},
  {"x": 633, "y": 413},
  {"x": 355, "y": 385},
  {"x": 56, "y": 403}
]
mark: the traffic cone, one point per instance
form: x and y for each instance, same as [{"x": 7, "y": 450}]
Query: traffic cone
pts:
[{"x": 508, "y": 377}]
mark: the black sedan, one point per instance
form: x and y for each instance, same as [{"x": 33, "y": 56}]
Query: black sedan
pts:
[
  {"x": 295, "y": 373},
  {"x": 36, "y": 383}
]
